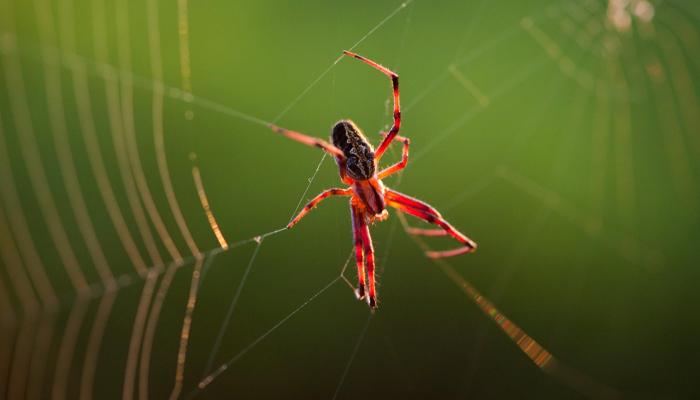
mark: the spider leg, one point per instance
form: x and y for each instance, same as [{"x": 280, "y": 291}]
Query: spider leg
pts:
[
  {"x": 369, "y": 263},
  {"x": 316, "y": 200},
  {"x": 362, "y": 230},
  {"x": 427, "y": 213},
  {"x": 357, "y": 222},
  {"x": 308, "y": 140},
  {"x": 397, "y": 107},
  {"x": 399, "y": 165},
  {"x": 426, "y": 232}
]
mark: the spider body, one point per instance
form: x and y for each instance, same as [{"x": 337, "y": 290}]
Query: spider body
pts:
[
  {"x": 357, "y": 162},
  {"x": 358, "y": 168}
]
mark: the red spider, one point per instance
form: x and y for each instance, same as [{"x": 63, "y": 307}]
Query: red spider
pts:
[{"x": 357, "y": 163}]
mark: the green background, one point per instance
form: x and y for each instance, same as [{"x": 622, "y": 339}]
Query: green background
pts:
[{"x": 578, "y": 179}]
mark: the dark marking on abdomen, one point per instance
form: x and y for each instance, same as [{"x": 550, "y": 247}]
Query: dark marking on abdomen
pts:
[{"x": 358, "y": 151}]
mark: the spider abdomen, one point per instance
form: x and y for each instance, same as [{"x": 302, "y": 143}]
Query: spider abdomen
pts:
[{"x": 359, "y": 153}]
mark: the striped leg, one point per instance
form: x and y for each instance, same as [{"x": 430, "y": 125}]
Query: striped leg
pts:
[
  {"x": 362, "y": 231},
  {"x": 308, "y": 140},
  {"x": 357, "y": 223},
  {"x": 427, "y": 213},
  {"x": 401, "y": 164},
  {"x": 316, "y": 200},
  {"x": 397, "y": 107}
]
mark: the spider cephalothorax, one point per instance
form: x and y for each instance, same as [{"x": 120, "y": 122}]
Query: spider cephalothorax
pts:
[{"x": 357, "y": 164}]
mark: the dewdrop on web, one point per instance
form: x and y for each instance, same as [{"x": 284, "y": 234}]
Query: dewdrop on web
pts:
[{"x": 621, "y": 12}]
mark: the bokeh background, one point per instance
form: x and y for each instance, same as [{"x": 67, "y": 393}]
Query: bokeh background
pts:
[{"x": 563, "y": 136}]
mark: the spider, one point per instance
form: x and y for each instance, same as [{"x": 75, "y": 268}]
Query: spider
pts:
[{"x": 357, "y": 163}]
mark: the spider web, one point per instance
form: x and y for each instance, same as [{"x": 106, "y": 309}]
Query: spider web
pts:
[{"x": 144, "y": 270}]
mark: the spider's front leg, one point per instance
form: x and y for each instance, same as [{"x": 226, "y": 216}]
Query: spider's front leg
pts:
[
  {"x": 427, "y": 213},
  {"x": 397, "y": 105},
  {"x": 308, "y": 140},
  {"x": 363, "y": 246}
]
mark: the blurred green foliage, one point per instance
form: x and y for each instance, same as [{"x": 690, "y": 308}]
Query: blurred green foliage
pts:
[{"x": 566, "y": 147}]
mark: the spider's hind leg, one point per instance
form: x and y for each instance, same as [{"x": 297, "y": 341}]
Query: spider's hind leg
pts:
[
  {"x": 427, "y": 213},
  {"x": 369, "y": 261},
  {"x": 426, "y": 232},
  {"x": 364, "y": 254},
  {"x": 357, "y": 222},
  {"x": 360, "y": 290}
]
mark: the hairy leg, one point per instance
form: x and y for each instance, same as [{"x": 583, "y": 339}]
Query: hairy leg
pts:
[
  {"x": 308, "y": 207},
  {"x": 357, "y": 223},
  {"x": 427, "y": 213},
  {"x": 397, "y": 106},
  {"x": 308, "y": 140},
  {"x": 401, "y": 164}
]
